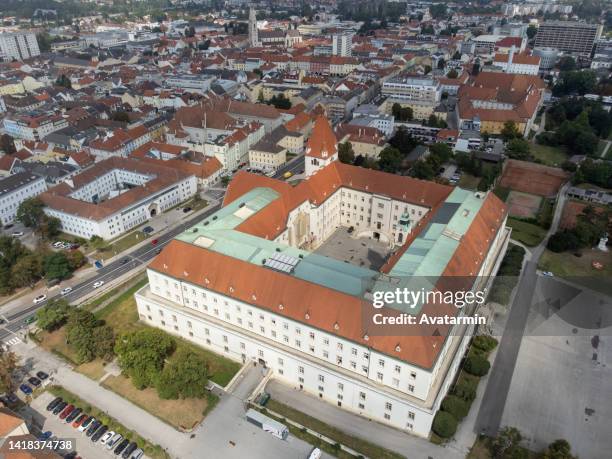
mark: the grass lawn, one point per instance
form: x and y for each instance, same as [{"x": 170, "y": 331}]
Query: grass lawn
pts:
[
  {"x": 121, "y": 313},
  {"x": 93, "y": 370},
  {"x": 152, "y": 451},
  {"x": 56, "y": 342},
  {"x": 527, "y": 233},
  {"x": 358, "y": 444},
  {"x": 220, "y": 370},
  {"x": 580, "y": 269},
  {"x": 469, "y": 182},
  {"x": 182, "y": 414},
  {"x": 121, "y": 244},
  {"x": 551, "y": 156}
]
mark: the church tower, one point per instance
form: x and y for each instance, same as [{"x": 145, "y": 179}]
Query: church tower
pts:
[
  {"x": 253, "y": 33},
  {"x": 322, "y": 147}
]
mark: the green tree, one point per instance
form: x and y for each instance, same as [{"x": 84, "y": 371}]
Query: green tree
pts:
[
  {"x": 476, "y": 365},
  {"x": 567, "y": 63},
  {"x": 76, "y": 259},
  {"x": 510, "y": 131},
  {"x": 507, "y": 444},
  {"x": 345, "y": 153},
  {"x": 444, "y": 424},
  {"x": 56, "y": 266},
  {"x": 456, "y": 406},
  {"x": 390, "y": 159},
  {"x": 49, "y": 227},
  {"x": 53, "y": 315},
  {"x": 26, "y": 270},
  {"x": 558, "y": 449},
  {"x": 532, "y": 30},
  {"x": 8, "y": 364},
  {"x": 184, "y": 376},
  {"x": 30, "y": 212},
  {"x": 141, "y": 355},
  {"x": 120, "y": 116},
  {"x": 7, "y": 144},
  {"x": 63, "y": 81},
  {"x": 441, "y": 151},
  {"x": 422, "y": 170},
  {"x": 517, "y": 148}
]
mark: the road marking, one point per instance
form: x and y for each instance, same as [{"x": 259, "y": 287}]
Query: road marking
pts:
[{"x": 13, "y": 341}]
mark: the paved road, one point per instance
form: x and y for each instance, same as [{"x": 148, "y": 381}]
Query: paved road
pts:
[
  {"x": 494, "y": 400},
  {"x": 16, "y": 319}
]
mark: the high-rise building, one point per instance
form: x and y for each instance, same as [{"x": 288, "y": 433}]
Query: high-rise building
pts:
[
  {"x": 253, "y": 32},
  {"x": 18, "y": 45},
  {"x": 341, "y": 44},
  {"x": 572, "y": 37}
]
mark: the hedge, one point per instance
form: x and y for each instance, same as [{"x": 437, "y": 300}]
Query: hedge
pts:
[
  {"x": 484, "y": 343},
  {"x": 456, "y": 406},
  {"x": 444, "y": 424},
  {"x": 476, "y": 365}
]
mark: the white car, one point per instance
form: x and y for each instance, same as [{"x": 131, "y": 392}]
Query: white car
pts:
[
  {"x": 58, "y": 245},
  {"x": 17, "y": 233},
  {"x": 137, "y": 454},
  {"x": 106, "y": 437},
  {"x": 98, "y": 284},
  {"x": 114, "y": 441},
  {"x": 66, "y": 291},
  {"x": 547, "y": 274},
  {"x": 83, "y": 427},
  {"x": 39, "y": 299}
]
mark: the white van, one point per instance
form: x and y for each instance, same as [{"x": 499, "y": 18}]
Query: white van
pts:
[{"x": 315, "y": 454}]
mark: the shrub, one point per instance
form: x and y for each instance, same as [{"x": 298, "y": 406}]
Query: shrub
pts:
[
  {"x": 456, "y": 406},
  {"x": 476, "y": 365},
  {"x": 444, "y": 424},
  {"x": 484, "y": 343},
  {"x": 466, "y": 387}
]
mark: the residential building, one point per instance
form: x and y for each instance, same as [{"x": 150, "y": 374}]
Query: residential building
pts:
[
  {"x": 567, "y": 36},
  {"x": 33, "y": 126},
  {"x": 18, "y": 45},
  {"x": 16, "y": 188},
  {"x": 522, "y": 64},
  {"x": 342, "y": 44},
  {"x": 116, "y": 195}
]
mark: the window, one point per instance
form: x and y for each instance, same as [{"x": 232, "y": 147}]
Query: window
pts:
[
  {"x": 298, "y": 343},
  {"x": 340, "y": 397},
  {"x": 321, "y": 378},
  {"x": 280, "y": 361},
  {"x": 340, "y": 386},
  {"x": 388, "y": 406},
  {"x": 387, "y": 416},
  {"x": 326, "y": 341},
  {"x": 398, "y": 368},
  {"x": 381, "y": 363},
  {"x": 395, "y": 382},
  {"x": 339, "y": 360},
  {"x": 298, "y": 331},
  {"x": 280, "y": 371},
  {"x": 340, "y": 346},
  {"x": 361, "y": 406},
  {"x": 242, "y": 346},
  {"x": 413, "y": 374},
  {"x": 311, "y": 334},
  {"x": 326, "y": 354},
  {"x": 225, "y": 338},
  {"x": 321, "y": 389},
  {"x": 206, "y": 331},
  {"x": 301, "y": 380},
  {"x": 354, "y": 351},
  {"x": 301, "y": 370},
  {"x": 260, "y": 353},
  {"x": 362, "y": 395},
  {"x": 410, "y": 415},
  {"x": 379, "y": 376},
  {"x": 410, "y": 388},
  {"x": 409, "y": 426}
]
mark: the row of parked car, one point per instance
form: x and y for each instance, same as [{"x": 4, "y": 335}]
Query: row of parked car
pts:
[
  {"x": 33, "y": 383},
  {"x": 94, "y": 429}
]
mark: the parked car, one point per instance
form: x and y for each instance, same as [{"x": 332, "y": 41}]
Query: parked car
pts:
[
  {"x": 66, "y": 291},
  {"x": 99, "y": 434},
  {"x": 107, "y": 436},
  {"x": 547, "y": 274},
  {"x": 148, "y": 229},
  {"x": 41, "y": 375},
  {"x": 9, "y": 399},
  {"x": 59, "y": 408},
  {"x": 158, "y": 250},
  {"x": 57, "y": 245},
  {"x": 98, "y": 284},
  {"x": 69, "y": 409},
  {"x": 121, "y": 446},
  {"x": 137, "y": 454},
  {"x": 40, "y": 298},
  {"x": 114, "y": 441},
  {"x": 17, "y": 233},
  {"x": 154, "y": 241},
  {"x": 288, "y": 174},
  {"x": 86, "y": 423},
  {"x": 186, "y": 209},
  {"x": 56, "y": 401},
  {"x": 92, "y": 428},
  {"x": 127, "y": 452},
  {"x": 73, "y": 415},
  {"x": 125, "y": 261},
  {"x": 27, "y": 390},
  {"x": 34, "y": 381},
  {"x": 78, "y": 421}
]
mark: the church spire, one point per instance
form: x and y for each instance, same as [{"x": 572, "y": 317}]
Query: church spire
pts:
[{"x": 253, "y": 32}]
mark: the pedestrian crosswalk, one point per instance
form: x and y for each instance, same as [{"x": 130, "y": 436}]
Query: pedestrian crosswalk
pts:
[{"x": 12, "y": 341}]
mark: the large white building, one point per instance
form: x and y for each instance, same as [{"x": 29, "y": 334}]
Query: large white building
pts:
[
  {"x": 116, "y": 195},
  {"x": 248, "y": 283},
  {"x": 18, "y": 45},
  {"x": 342, "y": 44},
  {"x": 33, "y": 126},
  {"x": 14, "y": 189}
]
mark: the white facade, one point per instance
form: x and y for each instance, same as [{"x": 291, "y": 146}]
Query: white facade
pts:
[
  {"x": 342, "y": 44},
  {"x": 123, "y": 219},
  {"x": 18, "y": 45},
  {"x": 15, "y": 189},
  {"x": 342, "y": 372},
  {"x": 36, "y": 131}
]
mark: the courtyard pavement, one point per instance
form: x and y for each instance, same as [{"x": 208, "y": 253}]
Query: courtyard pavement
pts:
[{"x": 362, "y": 252}]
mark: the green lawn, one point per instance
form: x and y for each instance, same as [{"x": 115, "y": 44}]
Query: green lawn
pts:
[
  {"x": 120, "y": 245},
  {"x": 360, "y": 445},
  {"x": 550, "y": 156},
  {"x": 469, "y": 182},
  {"x": 580, "y": 269},
  {"x": 527, "y": 233},
  {"x": 152, "y": 451}
]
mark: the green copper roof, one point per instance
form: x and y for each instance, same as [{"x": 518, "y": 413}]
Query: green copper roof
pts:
[{"x": 419, "y": 267}]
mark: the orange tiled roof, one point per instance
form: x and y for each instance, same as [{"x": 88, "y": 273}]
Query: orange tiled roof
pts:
[{"x": 322, "y": 142}]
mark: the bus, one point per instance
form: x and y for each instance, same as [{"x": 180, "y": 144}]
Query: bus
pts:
[{"x": 269, "y": 425}]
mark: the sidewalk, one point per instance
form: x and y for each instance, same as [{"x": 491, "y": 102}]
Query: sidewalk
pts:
[{"x": 395, "y": 440}]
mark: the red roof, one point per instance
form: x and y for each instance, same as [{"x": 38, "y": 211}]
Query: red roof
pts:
[{"x": 322, "y": 142}]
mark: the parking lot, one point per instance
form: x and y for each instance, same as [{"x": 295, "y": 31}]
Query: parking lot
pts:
[{"x": 83, "y": 445}]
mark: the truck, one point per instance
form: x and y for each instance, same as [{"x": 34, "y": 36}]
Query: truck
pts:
[{"x": 267, "y": 424}]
